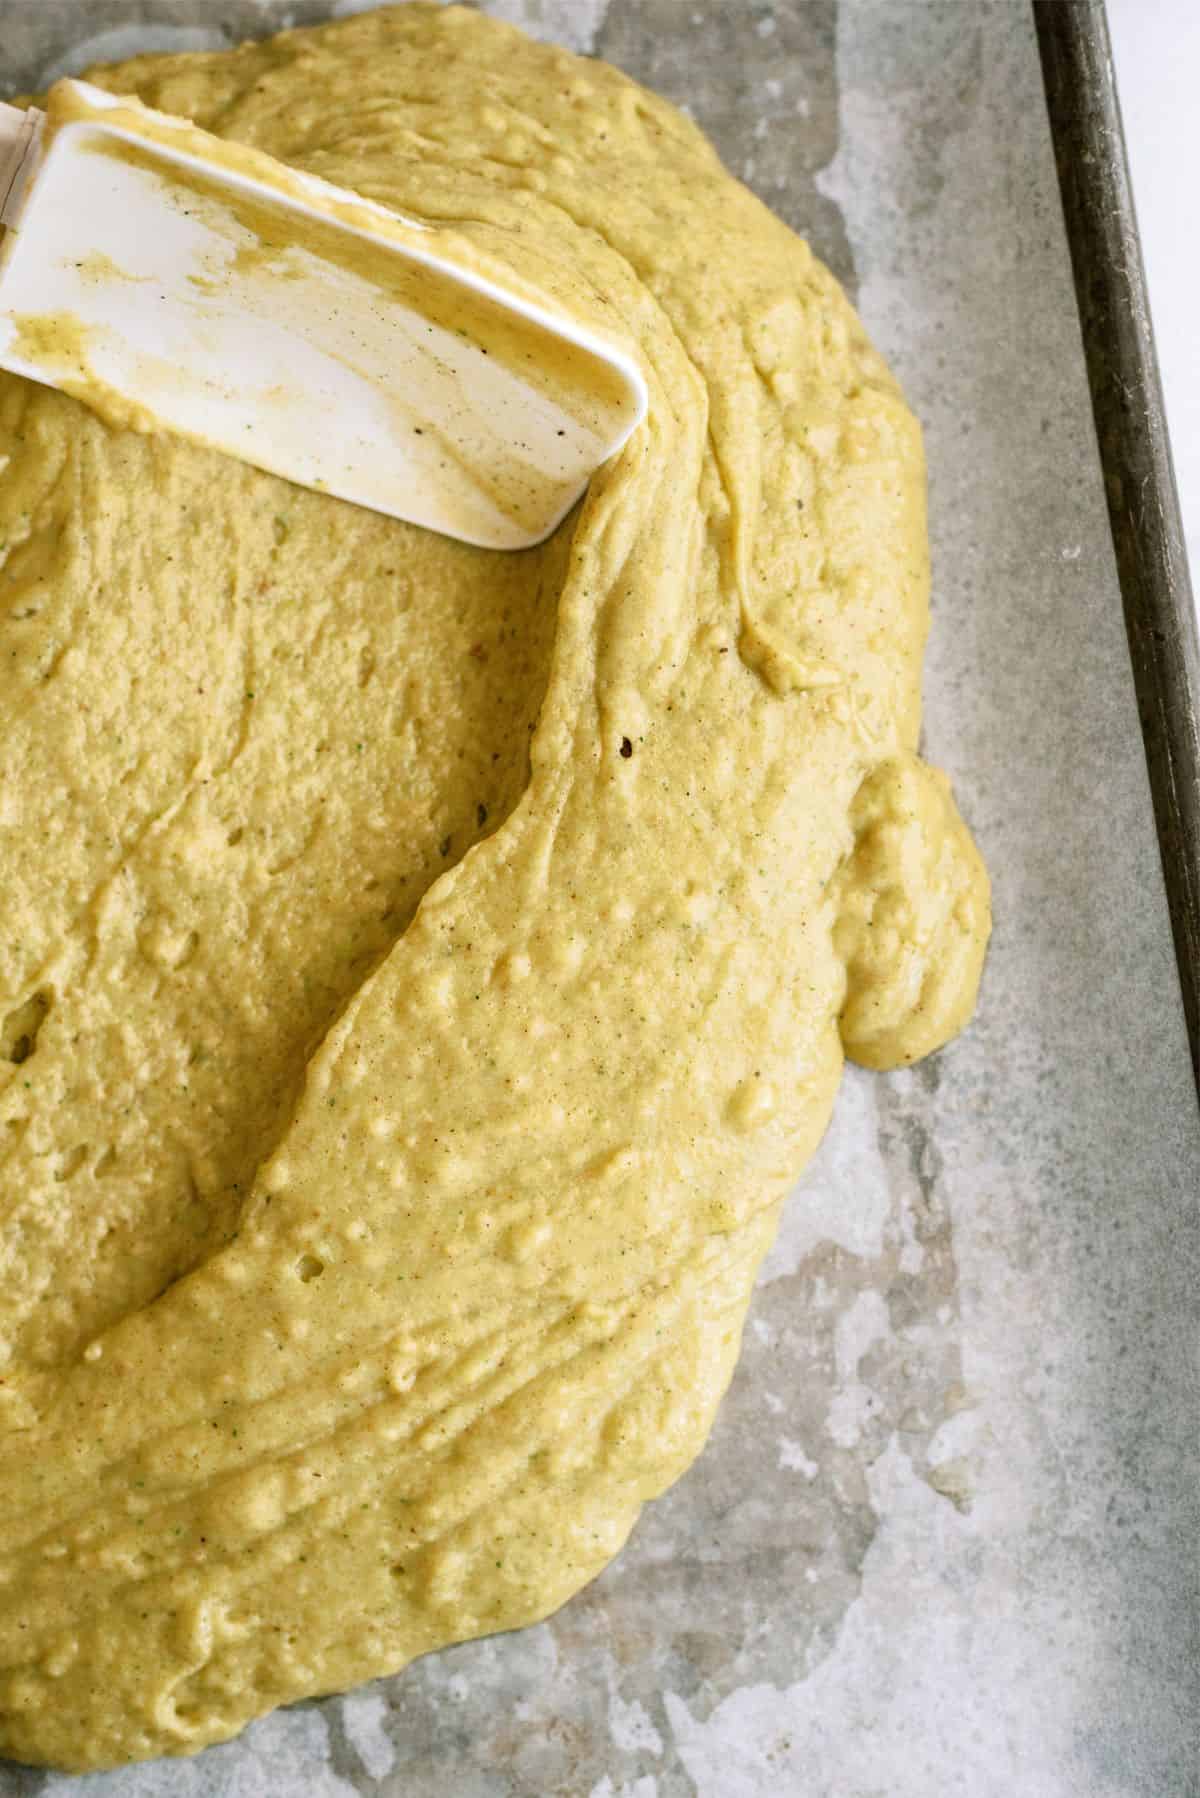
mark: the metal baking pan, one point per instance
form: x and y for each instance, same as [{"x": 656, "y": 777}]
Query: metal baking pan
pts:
[
  {"x": 943, "y": 1535},
  {"x": 1135, "y": 450}
]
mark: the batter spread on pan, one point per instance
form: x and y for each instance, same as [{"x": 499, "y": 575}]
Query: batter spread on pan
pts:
[{"x": 424, "y": 971}]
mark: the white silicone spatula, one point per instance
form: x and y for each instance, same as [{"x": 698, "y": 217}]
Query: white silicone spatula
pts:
[{"x": 177, "y": 282}]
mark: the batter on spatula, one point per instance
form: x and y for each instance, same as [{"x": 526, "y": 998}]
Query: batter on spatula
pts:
[{"x": 425, "y": 970}]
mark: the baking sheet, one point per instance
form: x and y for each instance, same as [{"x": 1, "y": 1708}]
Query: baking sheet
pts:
[
  {"x": 1135, "y": 451},
  {"x": 944, "y": 1535}
]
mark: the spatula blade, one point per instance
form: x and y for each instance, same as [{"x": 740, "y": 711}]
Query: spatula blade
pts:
[{"x": 178, "y": 283}]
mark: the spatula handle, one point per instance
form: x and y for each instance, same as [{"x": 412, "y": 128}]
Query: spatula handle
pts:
[{"x": 18, "y": 137}]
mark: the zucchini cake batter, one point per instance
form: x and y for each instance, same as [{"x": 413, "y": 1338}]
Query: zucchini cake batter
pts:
[{"x": 425, "y": 971}]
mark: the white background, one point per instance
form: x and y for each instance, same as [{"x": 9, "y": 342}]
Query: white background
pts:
[{"x": 1156, "y": 50}]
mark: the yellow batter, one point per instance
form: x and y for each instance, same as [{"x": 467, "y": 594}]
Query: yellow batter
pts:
[{"x": 424, "y": 971}]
